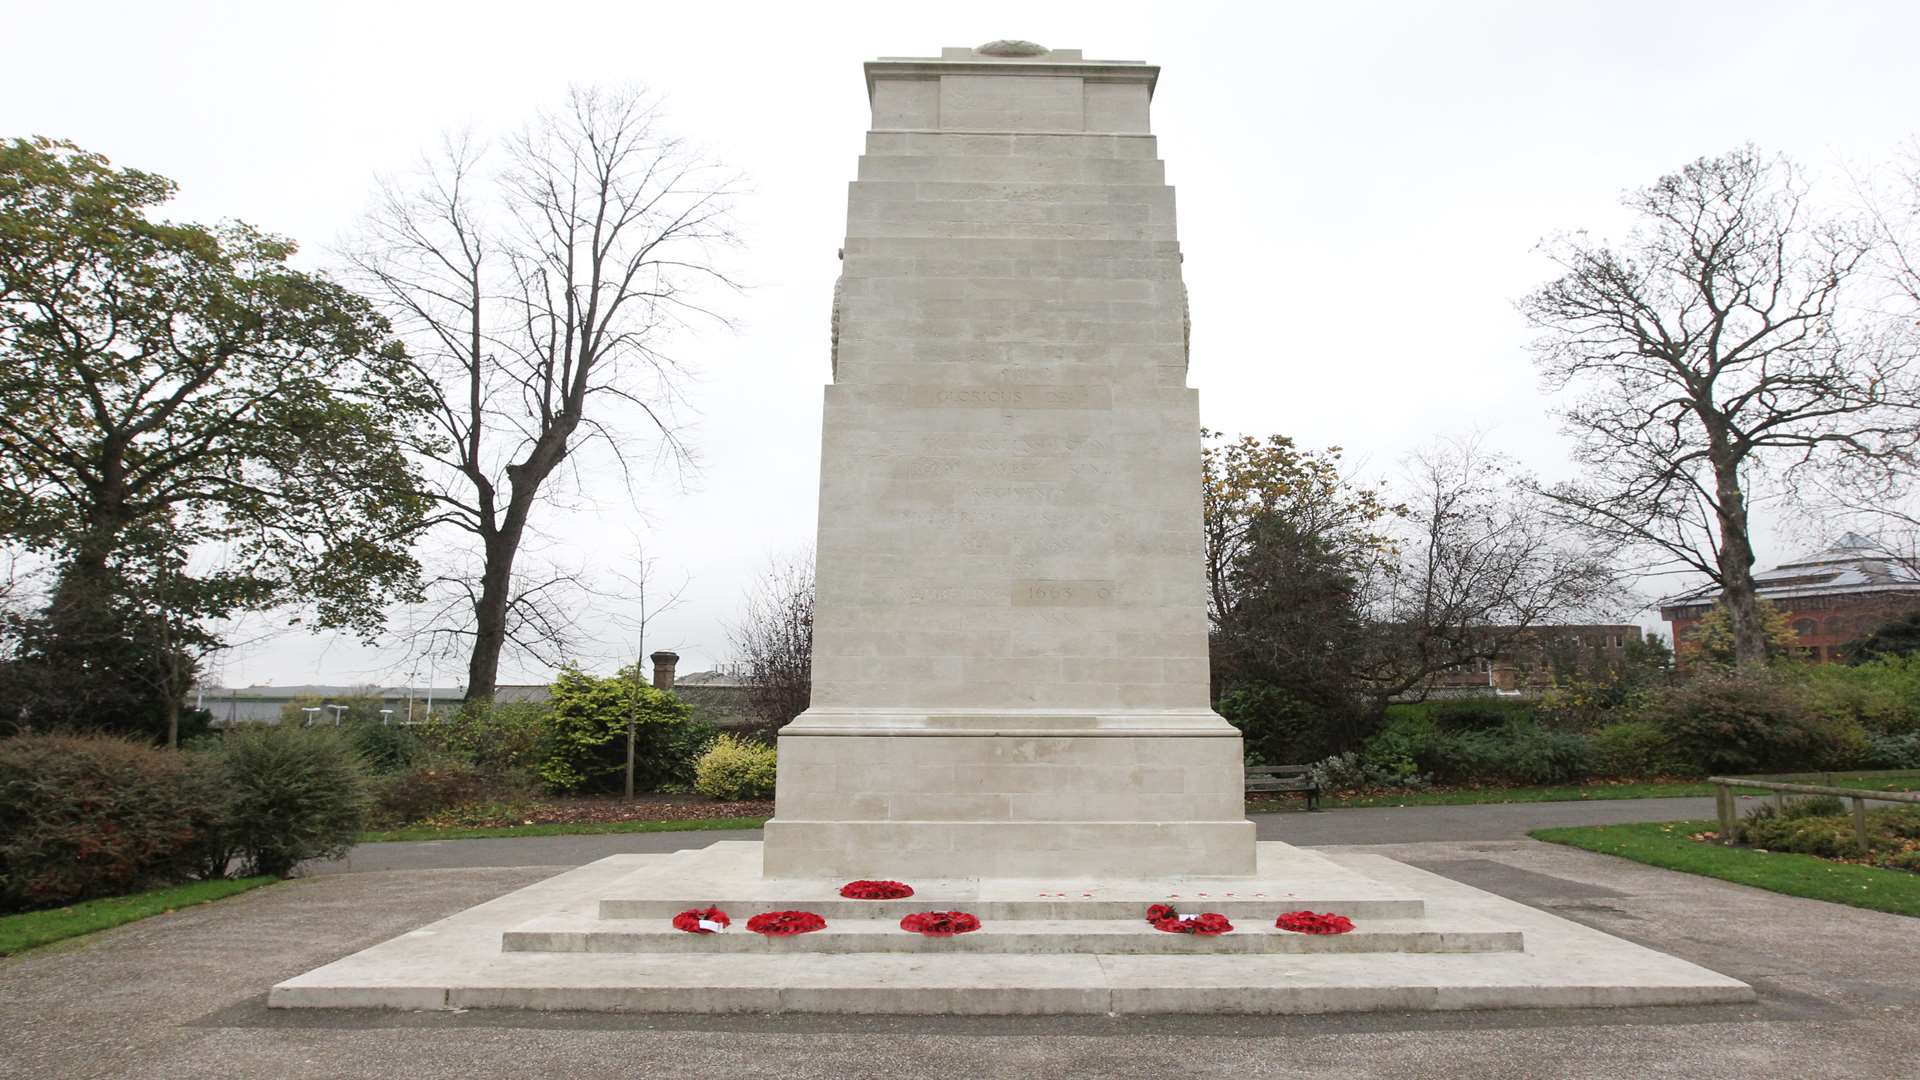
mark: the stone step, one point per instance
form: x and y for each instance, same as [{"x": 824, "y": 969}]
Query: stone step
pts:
[
  {"x": 1121, "y": 908},
  {"x": 990, "y": 985},
  {"x": 1132, "y": 937}
]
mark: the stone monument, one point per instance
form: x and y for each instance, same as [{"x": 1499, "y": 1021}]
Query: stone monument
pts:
[
  {"x": 1010, "y": 681},
  {"x": 1010, "y": 636}
]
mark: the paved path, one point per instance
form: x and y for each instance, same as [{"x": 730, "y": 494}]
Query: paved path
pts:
[
  {"x": 1384, "y": 825},
  {"x": 183, "y": 995}
]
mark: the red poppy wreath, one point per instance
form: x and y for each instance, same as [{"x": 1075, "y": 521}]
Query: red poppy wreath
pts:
[
  {"x": 1306, "y": 922},
  {"x": 875, "y": 890},
  {"x": 940, "y": 923},
  {"x": 1164, "y": 917},
  {"x": 701, "y": 920},
  {"x": 785, "y": 923}
]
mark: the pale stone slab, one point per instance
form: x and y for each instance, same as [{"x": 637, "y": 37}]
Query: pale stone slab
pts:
[
  {"x": 459, "y": 962},
  {"x": 879, "y": 932}
]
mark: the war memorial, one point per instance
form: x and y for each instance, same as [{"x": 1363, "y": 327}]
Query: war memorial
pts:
[{"x": 1010, "y": 709}]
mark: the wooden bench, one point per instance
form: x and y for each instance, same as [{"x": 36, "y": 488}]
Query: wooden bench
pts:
[{"x": 1269, "y": 778}]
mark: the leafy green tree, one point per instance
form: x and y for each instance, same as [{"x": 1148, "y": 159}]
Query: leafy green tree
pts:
[
  {"x": 1712, "y": 639},
  {"x": 587, "y": 724},
  {"x": 188, "y": 428},
  {"x": 1897, "y": 637}
]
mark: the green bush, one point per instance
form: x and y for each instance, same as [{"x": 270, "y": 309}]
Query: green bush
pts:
[
  {"x": 1823, "y": 826},
  {"x": 292, "y": 794},
  {"x": 1882, "y": 696},
  {"x": 1813, "y": 806},
  {"x": 1351, "y": 772},
  {"x": 495, "y": 737},
  {"x": 1893, "y": 751},
  {"x": 1635, "y": 749},
  {"x": 385, "y": 748},
  {"x": 1827, "y": 837},
  {"x": 445, "y": 783},
  {"x": 1276, "y": 727},
  {"x": 1518, "y": 752},
  {"x": 1476, "y": 713},
  {"x": 735, "y": 769},
  {"x": 586, "y": 745},
  {"x": 1744, "y": 721},
  {"x": 84, "y": 816}
]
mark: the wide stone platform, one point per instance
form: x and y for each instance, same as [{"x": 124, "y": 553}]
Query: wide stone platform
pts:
[{"x": 598, "y": 938}]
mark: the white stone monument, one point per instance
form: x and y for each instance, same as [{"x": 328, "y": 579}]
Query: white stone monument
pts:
[
  {"x": 1010, "y": 638},
  {"x": 1010, "y": 683}
]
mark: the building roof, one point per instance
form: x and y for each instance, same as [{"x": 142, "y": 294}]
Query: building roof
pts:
[
  {"x": 709, "y": 678},
  {"x": 1854, "y": 564},
  {"x": 298, "y": 690}
]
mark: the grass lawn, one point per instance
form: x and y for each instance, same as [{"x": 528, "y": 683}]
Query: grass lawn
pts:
[
  {"x": 562, "y": 828},
  {"x": 1666, "y": 845},
  {"x": 18, "y": 933}
]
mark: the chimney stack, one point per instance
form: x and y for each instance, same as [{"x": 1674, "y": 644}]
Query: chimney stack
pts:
[{"x": 663, "y": 664}]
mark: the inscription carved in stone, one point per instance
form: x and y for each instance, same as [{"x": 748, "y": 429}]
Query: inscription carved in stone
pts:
[{"x": 1043, "y": 593}]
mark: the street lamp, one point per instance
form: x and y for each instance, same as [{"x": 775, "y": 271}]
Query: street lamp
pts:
[
  {"x": 308, "y": 714},
  {"x": 338, "y": 712}
]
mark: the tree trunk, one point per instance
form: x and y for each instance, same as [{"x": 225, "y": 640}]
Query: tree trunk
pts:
[
  {"x": 490, "y": 615},
  {"x": 1736, "y": 562}
]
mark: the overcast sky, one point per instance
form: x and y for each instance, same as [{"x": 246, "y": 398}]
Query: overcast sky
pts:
[{"x": 1360, "y": 190}]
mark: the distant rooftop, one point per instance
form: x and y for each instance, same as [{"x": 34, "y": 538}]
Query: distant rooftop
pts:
[
  {"x": 1854, "y": 564},
  {"x": 296, "y": 690}
]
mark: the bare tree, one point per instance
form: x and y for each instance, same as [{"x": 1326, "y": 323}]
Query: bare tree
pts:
[
  {"x": 540, "y": 300},
  {"x": 774, "y": 640},
  {"x": 651, "y": 602},
  {"x": 1715, "y": 350},
  {"x": 1479, "y": 567}
]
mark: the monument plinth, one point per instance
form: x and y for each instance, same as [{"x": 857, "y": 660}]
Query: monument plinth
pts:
[{"x": 1010, "y": 636}]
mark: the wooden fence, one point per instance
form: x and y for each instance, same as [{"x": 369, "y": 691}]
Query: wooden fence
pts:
[{"x": 1724, "y": 799}]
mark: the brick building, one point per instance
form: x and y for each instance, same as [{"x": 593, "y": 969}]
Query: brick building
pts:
[
  {"x": 1830, "y": 597},
  {"x": 1536, "y": 654}
]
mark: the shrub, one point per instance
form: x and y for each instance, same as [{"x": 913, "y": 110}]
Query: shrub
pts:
[
  {"x": 1827, "y": 837},
  {"x": 293, "y": 794},
  {"x": 1882, "y": 696},
  {"x": 496, "y": 737},
  {"x": 442, "y": 784},
  {"x": 1351, "y": 772},
  {"x": 1813, "y": 806},
  {"x": 1519, "y": 752},
  {"x": 735, "y": 769},
  {"x": 1476, "y": 713},
  {"x": 586, "y": 748},
  {"x": 1277, "y": 727},
  {"x": 1893, "y": 751},
  {"x": 1838, "y": 744},
  {"x": 91, "y": 816},
  {"x": 1823, "y": 826},
  {"x": 1739, "y": 721},
  {"x": 1634, "y": 748},
  {"x": 385, "y": 748}
]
